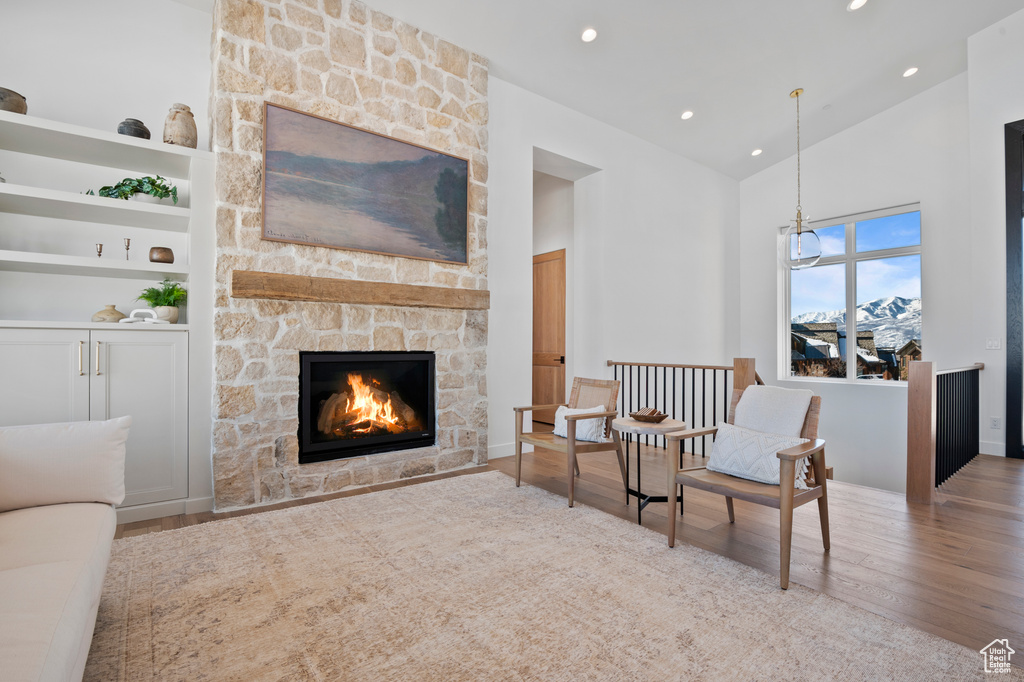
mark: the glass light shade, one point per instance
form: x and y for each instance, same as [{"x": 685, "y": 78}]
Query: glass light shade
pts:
[{"x": 798, "y": 251}]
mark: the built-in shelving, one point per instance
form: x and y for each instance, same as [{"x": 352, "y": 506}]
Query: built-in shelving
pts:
[
  {"x": 56, "y": 264},
  {"x": 49, "y": 203},
  {"x": 40, "y": 137},
  {"x": 50, "y": 324}
]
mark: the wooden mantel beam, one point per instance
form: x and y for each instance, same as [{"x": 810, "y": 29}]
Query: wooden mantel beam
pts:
[{"x": 269, "y": 285}]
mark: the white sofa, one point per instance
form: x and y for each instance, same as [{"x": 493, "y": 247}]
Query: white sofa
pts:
[{"x": 58, "y": 485}]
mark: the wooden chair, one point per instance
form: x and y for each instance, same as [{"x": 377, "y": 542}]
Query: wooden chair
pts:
[
  {"x": 585, "y": 393},
  {"x": 783, "y": 497}
]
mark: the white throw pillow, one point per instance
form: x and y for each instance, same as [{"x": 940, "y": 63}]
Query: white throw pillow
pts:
[
  {"x": 586, "y": 429},
  {"x": 751, "y": 454},
  {"x": 58, "y": 463},
  {"x": 773, "y": 410}
]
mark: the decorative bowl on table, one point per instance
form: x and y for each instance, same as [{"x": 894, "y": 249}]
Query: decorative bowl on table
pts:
[{"x": 648, "y": 414}]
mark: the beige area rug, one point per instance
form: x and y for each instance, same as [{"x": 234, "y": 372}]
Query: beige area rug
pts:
[{"x": 471, "y": 578}]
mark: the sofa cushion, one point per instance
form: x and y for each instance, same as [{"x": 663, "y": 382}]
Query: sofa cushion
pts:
[
  {"x": 53, "y": 560},
  {"x": 55, "y": 463}
]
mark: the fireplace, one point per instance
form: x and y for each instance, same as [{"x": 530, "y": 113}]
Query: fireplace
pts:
[{"x": 359, "y": 403}]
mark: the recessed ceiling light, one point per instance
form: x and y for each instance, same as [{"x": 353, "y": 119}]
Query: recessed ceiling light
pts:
[
  {"x": 855, "y": 5},
  {"x": 756, "y": 152},
  {"x": 588, "y": 35},
  {"x": 910, "y": 72},
  {"x": 687, "y": 115}
]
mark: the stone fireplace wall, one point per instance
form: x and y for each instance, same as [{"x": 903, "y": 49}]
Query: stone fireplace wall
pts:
[{"x": 341, "y": 60}]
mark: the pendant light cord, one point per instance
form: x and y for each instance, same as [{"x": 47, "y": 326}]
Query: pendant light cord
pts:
[{"x": 798, "y": 207}]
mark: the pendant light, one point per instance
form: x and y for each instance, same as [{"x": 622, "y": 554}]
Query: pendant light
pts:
[{"x": 800, "y": 248}]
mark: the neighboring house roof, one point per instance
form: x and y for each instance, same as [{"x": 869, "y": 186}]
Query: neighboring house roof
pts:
[{"x": 912, "y": 347}]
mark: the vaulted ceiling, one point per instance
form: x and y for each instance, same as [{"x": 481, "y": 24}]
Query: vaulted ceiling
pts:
[{"x": 732, "y": 62}]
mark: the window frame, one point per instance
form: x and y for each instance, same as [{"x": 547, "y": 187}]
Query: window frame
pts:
[{"x": 850, "y": 259}]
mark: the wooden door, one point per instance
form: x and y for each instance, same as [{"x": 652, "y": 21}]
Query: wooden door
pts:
[
  {"x": 44, "y": 376},
  {"x": 548, "y": 332},
  {"x": 144, "y": 374}
]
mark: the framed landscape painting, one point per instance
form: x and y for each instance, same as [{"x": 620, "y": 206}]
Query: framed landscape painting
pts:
[{"x": 330, "y": 184}]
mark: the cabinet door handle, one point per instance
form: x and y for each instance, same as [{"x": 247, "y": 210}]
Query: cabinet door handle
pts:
[
  {"x": 97, "y": 358},
  {"x": 81, "y": 368}
]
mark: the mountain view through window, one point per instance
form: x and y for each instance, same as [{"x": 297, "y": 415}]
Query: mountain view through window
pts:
[{"x": 879, "y": 260}]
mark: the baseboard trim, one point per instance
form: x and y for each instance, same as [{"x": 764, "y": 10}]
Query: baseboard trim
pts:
[
  {"x": 198, "y": 505},
  {"x": 505, "y": 450},
  {"x": 987, "y": 447},
  {"x": 154, "y": 510}
]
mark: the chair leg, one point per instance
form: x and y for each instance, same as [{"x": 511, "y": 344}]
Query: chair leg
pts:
[
  {"x": 787, "y": 471},
  {"x": 673, "y": 458},
  {"x": 577, "y": 467},
  {"x": 519, "y": 446},
  {"x": 622, "y": 462},
  {"x": 732, "y": 513},
  {"x": 818, "y": 462},
  {"x": 571, "y": 457}
]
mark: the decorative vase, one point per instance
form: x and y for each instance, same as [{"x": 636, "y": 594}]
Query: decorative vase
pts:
[
  {"x": 167, "y": 312},
  {"x": 180, "y": 127},
  {"x": 161, "y": 254},
  {"x": 12, "y": 101},
  {"x": 134, "y": 128},
  {"x": 146, "y": 198},
  {"x": 108, "y": 314}
]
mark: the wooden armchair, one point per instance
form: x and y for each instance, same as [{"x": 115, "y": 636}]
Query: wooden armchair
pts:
[
  {"x": 783, "y": 497},
  {"x": 601, "y": 394}
]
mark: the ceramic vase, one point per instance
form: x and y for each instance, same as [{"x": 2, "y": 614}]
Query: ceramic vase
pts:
[
  {"x": 167, "y": 312},
  {"x": 12, "y": 101},
  {"x": 180, "y": 127},
  {"x": 134, "y": 128},
  {"x": 108, "y": 314},
  {"x": 161, "y": 254}
]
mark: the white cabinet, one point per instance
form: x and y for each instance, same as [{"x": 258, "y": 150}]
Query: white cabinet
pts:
[
  {"x": 55, "y": 375},
  {"x": 52, "y": 281}
]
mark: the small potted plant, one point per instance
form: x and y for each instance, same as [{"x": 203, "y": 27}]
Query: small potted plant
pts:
[
  {"x": 157, "y": 188},
  {"x": 165, "y": 299}
]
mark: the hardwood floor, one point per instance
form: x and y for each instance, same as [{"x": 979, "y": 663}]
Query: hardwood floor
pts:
[{"x": 955, "y": 569}]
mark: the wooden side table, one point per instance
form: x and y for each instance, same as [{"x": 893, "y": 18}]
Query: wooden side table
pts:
[{"x": 630, "y": 427}]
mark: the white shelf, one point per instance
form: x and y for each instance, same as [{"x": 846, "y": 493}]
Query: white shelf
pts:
[
  {"x": 53, "y": 264},
  {"x": 51, "y": 324},
  {"x": 49, "y": 203},
  {"x": 31, "y": 135}
]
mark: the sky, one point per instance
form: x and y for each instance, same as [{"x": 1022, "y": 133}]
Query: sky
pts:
[{"x": 823, "y": 288}]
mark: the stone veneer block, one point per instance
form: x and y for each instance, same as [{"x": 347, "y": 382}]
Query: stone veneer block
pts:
[{"x": 341, "y": 60}]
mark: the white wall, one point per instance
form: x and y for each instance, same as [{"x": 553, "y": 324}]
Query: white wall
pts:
[
  {"x": 649, "y": 242},
  {"x": 995, "y": 62},
  {"x": 917, "y": 151},
  {"x": 96, "y": 63},
  {"x": 553, "y": 230}
]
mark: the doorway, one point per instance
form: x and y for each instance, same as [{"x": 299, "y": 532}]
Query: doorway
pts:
[
  {"x": 548, "y": 333},
  {"x": 1014, "y": 138}
]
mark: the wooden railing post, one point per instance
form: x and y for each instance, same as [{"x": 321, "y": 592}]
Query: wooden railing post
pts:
[
  {"x": 743, "y": 373},
  {"x": 921, "y": 418}
]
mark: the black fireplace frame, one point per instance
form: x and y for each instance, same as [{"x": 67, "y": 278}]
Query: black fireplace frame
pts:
[{"x": 310, "y": 452}]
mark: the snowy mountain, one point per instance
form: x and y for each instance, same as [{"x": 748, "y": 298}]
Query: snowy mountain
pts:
[{"x": 894, "y": 320}]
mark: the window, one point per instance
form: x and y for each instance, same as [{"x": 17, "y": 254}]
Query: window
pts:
[{"x": 856, "y": 314}]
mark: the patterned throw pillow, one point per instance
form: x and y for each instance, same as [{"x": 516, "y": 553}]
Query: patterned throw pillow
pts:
[
  {"x": 586, "y": 429},
  {"x": 751, "y": 455}
]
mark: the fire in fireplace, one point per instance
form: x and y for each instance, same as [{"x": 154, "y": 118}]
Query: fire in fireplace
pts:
[{"x": 357, "y": 403}]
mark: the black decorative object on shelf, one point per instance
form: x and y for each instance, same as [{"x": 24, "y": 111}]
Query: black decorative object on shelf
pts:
[{"x": 134, "y": 128}]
